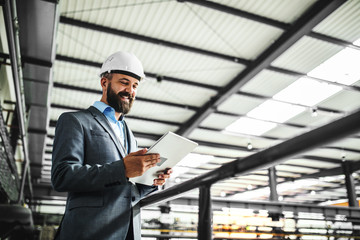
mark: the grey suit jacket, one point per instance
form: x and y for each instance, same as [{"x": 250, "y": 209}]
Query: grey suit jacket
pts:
[{"x": 88, "y": 164}]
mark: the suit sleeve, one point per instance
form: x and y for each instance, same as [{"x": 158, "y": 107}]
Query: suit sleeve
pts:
[
  {"x": 145, "y": 189},
  {"x": 69, "y": 172}
]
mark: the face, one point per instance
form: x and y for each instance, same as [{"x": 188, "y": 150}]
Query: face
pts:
[{"x": 120, "y": 92}]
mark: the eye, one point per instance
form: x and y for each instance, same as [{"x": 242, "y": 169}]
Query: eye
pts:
[{"x": 124, "y": 82}]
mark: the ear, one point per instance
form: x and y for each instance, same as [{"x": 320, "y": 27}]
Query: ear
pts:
[{"x": 103, "y": 82}]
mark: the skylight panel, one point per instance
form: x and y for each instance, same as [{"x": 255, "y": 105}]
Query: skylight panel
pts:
[
  {"x": 249, "y": 126},
  {"x": 275, "y": 111},
  {"x": 341, "y": 68},
  {"x": 306, "y": 91},
  {"x": 178, "y": 171},
  {"x": 194, "y": 160}
]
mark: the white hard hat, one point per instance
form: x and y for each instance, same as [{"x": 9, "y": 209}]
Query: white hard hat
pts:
[{"x": 124, "y": 63}]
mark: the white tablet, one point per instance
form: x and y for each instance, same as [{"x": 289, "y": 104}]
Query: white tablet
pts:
[{"x": 172, "y": 148}]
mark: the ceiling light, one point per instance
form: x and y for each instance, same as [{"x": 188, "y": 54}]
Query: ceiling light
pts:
[
  {"x": 249, "y": 146},
  {"x": 222, "y": 194},
  {"x": 306, "y": 91},
  {"x": 314, "y": 112},
  {"x": 275, "y": 111},
  {"x": 249, "y": 126}
]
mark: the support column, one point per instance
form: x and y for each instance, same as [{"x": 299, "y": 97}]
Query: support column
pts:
[
  {"x": 272, "y": 184},
  {"x": 350, "y": 186},
  {"x": 205, "y": 214}
]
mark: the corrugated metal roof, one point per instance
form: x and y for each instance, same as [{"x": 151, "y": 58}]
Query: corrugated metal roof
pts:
[
  {"x": 184, "y": 23},
  {"x": 335, "y": 154},
  {"x": 174, "y": 92},
  {"x": 343, "y": 101},
  {"x": 285, "y": 11},
  {"x": 311, "y": 163},
  {"x": 214, "y": 136},
  {"x": 239, "y": 104},
  {"x": 344, "y": 23},
  {"x": 306, "y": 118},
  {"x": 160, "y": 112},
  {"x": 306, "y": 54},
  {"x": 268, "y": 83},
  {"x": 285, "y": 132}
]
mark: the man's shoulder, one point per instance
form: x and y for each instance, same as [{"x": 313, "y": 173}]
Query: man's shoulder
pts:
[{"x": 83, "y": 113}]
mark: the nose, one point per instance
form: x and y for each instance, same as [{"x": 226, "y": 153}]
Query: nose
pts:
[{"x": 130, "y": 89}]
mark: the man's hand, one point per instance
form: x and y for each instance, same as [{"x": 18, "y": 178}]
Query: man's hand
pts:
[
  {"x": 162, "y": 177},
  {"x": 136, "y": 163}
]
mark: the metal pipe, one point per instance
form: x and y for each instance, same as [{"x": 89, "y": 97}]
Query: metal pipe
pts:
[
  {"x": 273, "y": 184},
  {"x": 269, "y": 157},
  {"x": 350, "y": 185},
  {"x": 205, "y": 213},
  {"x": 14, "y": 52}
]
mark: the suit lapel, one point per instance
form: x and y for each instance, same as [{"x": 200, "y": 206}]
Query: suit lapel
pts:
[
  {"x": 131, "y": 139},
  {"x": 101, "y": 119}
]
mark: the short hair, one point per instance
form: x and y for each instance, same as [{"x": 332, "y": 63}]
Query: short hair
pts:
[{"x": 106, "y": 75}]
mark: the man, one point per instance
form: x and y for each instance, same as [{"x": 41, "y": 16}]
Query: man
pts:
[{"x": 95, "y": 154}]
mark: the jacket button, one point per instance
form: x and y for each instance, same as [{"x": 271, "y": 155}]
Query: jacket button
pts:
[{"x": 133, "y": 198}]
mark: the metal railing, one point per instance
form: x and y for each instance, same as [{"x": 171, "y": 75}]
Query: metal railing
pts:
[{"x": 338, "y": 129}]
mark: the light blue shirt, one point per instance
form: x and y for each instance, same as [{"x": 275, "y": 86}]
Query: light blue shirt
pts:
[{"x": 117, "y": 125}]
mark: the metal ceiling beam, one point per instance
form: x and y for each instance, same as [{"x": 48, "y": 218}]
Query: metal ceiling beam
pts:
[
  {"x": 89, "y": 90},
  {"x": 354, "y": 166},
  {"x": 148, "y": 74},
  {"x": 243, "y": 135},
  {"x": 336, "y": 41},
  {"x": 327, "y": 110},
  {"x": 299, "y": 75},
  {"x": 216, "y": 6},
  {"x": 216, "y": 88},
  {"x": 14, "y": 48},
  {"x": 203, "y": 143},
  {"x": 183, "y": 81},
  {"x": 269, "y": 157},
  {"x": 274, "y": 207},
  {"x": 322, "y": 159},
  {"x": 52, "y": 123},
  {"x": 121, "y": 33},
  {"x": 240, "y": 13},
  {"x": 300, "y": 28},
  {"x": 268, "y": 21},
  {"x": 243, "y": 115}
]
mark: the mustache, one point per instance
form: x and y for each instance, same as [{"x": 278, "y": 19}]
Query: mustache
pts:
[{"x": 126, "y": 94}]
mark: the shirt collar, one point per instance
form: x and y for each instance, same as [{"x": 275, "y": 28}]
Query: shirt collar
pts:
[{"x": 107, "y": 110}]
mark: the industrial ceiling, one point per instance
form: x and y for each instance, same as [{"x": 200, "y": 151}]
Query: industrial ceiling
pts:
[{"x": 238, "y": 77}]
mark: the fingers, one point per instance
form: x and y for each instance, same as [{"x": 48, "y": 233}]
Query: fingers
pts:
[
  {"x": 163, "y": 176},
  {"x": 159, "y": 182},
  {"x": 138, "y": 153},
  {"x": 151, "y": 160},
  {"x": 137, "y": 163}
]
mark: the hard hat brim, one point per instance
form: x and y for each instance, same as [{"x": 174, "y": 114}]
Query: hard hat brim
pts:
[{"x": 126, "y": 73}]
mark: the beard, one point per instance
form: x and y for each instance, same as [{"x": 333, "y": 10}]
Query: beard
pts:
[{"x": 114, "y": 100}]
